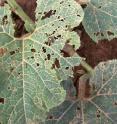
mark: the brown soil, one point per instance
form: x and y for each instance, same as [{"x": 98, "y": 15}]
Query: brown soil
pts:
[
  {"x": 96, "y": 52},
  {"x": 93, "y": 52}
]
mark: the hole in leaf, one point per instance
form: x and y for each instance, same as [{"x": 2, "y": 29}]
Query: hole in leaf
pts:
[
  {"x": 62, "y": 20},
  {"x": 98, "y": 114},
  {"x": 2, "y": 100},
  {"x": 11, "y": 69},
  {"x": 50, "y": 117},
  {"x": 44, "y": 49},
  {"x": 67, "y": 68},
  {"x": 48, "y": 14},
  {"x": 37, "y": 64},
  {"x": 19, "y": 73},
  {"x": 102, "y": 34},
  {"x": 58, "y": 17},
  {"x": 33, "y": 50},
  {"x": 97, "y": 33},
  {"x": 8, "y": 88},
  {"x": 48, "y": 56},
  {"x": 99, "y": 7},
  {"x": 4, "y": 20},
  {"x": 78, "y": 15},
  {"x": 32, "y": 57},
  {"x": 59, "y": 36},
  {"x": 78, "y": 108},
  {"x": 12, "y": 52},
  {"x": 110, "y": 33},
  {"x": 61, "y": 2}
]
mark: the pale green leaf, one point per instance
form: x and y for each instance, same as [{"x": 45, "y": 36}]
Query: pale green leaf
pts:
[
  {"x": 29, "y": 80},
  {"x": 100, "y": 20}
]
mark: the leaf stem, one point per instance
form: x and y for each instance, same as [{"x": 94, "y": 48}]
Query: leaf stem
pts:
[
  {"x": 87, "y": 66},
  {"x": 29, "y": 24}
]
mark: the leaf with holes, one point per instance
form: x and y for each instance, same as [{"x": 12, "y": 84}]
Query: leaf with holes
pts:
[
  {"x": 99, "y": 108},
  {"x": 29, "y": 76},
  {"x": 100, "y": 20}
]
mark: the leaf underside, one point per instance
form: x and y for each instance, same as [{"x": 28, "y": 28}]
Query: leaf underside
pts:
[
  {"x": 100, "y": 108},
  {"x": 29, "y": 78},
  {"x": 100, "y": 20}
]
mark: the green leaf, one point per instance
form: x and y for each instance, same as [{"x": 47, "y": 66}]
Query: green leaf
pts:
[
  {"x": 66, "y": 111},
  {"x": 100, "y": 20},
  {"x": 29, "y": 80},
  {"x": 100, "y": 108}
]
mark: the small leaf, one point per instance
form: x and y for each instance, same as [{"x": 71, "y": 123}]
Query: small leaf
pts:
[{"x": 100, "y": 20}]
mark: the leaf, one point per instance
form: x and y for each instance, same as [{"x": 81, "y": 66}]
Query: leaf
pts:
[
  {"x": 100, "y": 20},
  {"x": 29, "y": 80},
  {"x": 100, "y": 108},
  {"x": 66, "y": 111}
]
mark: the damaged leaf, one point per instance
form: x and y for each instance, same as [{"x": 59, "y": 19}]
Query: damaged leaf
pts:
[
  {"x": 100, "y": 20},
  {"x": 29, "y": 84}
]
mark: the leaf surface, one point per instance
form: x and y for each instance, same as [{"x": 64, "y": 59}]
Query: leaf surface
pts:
[
  {"x": 100, "y": 20},
  {"x": 29, "y": 80}
]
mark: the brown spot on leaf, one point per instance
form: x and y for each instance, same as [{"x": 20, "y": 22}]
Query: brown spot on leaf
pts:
[{"x": 2, "y": 51}]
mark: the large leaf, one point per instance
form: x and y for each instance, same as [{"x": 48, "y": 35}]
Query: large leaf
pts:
[
  {"x": 100, "y": 108},
  {"x": 29, "y": 80},
  {"x": 100, "y": 20}
]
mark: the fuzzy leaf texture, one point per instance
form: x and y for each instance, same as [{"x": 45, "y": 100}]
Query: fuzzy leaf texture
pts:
[
  {"x": 29, "y": 80},
  {"x": 100, "y": 20},
  {"x": 100, "y": 108}
]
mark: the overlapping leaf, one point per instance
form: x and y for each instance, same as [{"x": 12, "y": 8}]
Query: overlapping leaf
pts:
[
  {"x": 100, "y": 20},
  {"x": 28, "y": 80},
  {"x": 100, "y": 108}
]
